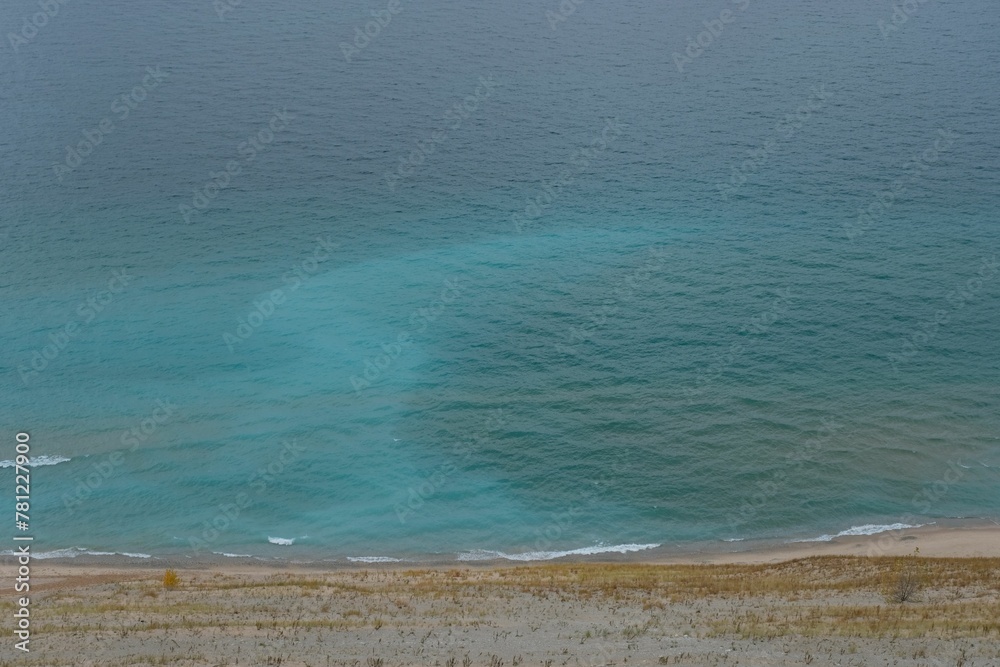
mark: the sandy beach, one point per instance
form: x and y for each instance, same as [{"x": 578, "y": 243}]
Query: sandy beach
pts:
[
  {"x": 958, "y": 541},
  {"x": 819, "y": 603}
]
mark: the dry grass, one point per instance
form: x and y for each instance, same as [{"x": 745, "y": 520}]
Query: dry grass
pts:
[
  {"x": 821, "y": 596},
  {"x": 906, "y": 582},
  {"x": 170, "y": 579}
]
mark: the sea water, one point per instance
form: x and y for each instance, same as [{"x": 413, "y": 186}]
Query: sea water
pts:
[{"x": 465, "y": 280}]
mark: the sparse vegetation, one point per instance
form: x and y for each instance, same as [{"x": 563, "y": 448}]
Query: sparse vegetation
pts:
[
  {"x": 632, "y": 605},
  {"x": 906, "y": 583}
]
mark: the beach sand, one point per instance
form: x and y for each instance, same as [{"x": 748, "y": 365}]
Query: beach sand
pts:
[
  {"x": 982, "y": 541},
  {"x": 815, "y": 603}
]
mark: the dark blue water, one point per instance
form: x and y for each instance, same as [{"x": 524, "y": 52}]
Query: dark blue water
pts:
[{"x": 498, "y": 278}]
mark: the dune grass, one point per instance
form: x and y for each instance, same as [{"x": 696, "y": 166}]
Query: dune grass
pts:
[{"x": 844, "y": 596}]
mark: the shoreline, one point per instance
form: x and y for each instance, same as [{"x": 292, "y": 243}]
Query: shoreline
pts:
[
  {"x": 947, "y": 539},
  {"x": 933, "y": 541}
]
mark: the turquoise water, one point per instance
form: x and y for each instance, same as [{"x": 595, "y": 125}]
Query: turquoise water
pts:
[{"x": 605, "y": 305}]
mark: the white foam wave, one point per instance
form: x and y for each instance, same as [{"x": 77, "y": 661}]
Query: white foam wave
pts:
[
  {"x": 73, "y": 552},
  {"x": 284, "y": 541},
  {"x": 374, "y": 559},
  {"x": 223, "y": 553},
  {"x": 35, "y": 461},
  {"x": 867, "y": 529},
  {"x": 733, "y": 539},
  {"x": 482, "y": 554}
]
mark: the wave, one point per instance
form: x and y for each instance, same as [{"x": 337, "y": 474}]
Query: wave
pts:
[
  {"x": 482, "y": 554},
  {"x": 374, "y": 559},
  {"x": 284, "y": 541},
  {"x": 867, "y": 529},
  {"x": 73, "y": 552},
  {"x": 35, "y": 461},
  {"x": 223, "y": 553}
]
